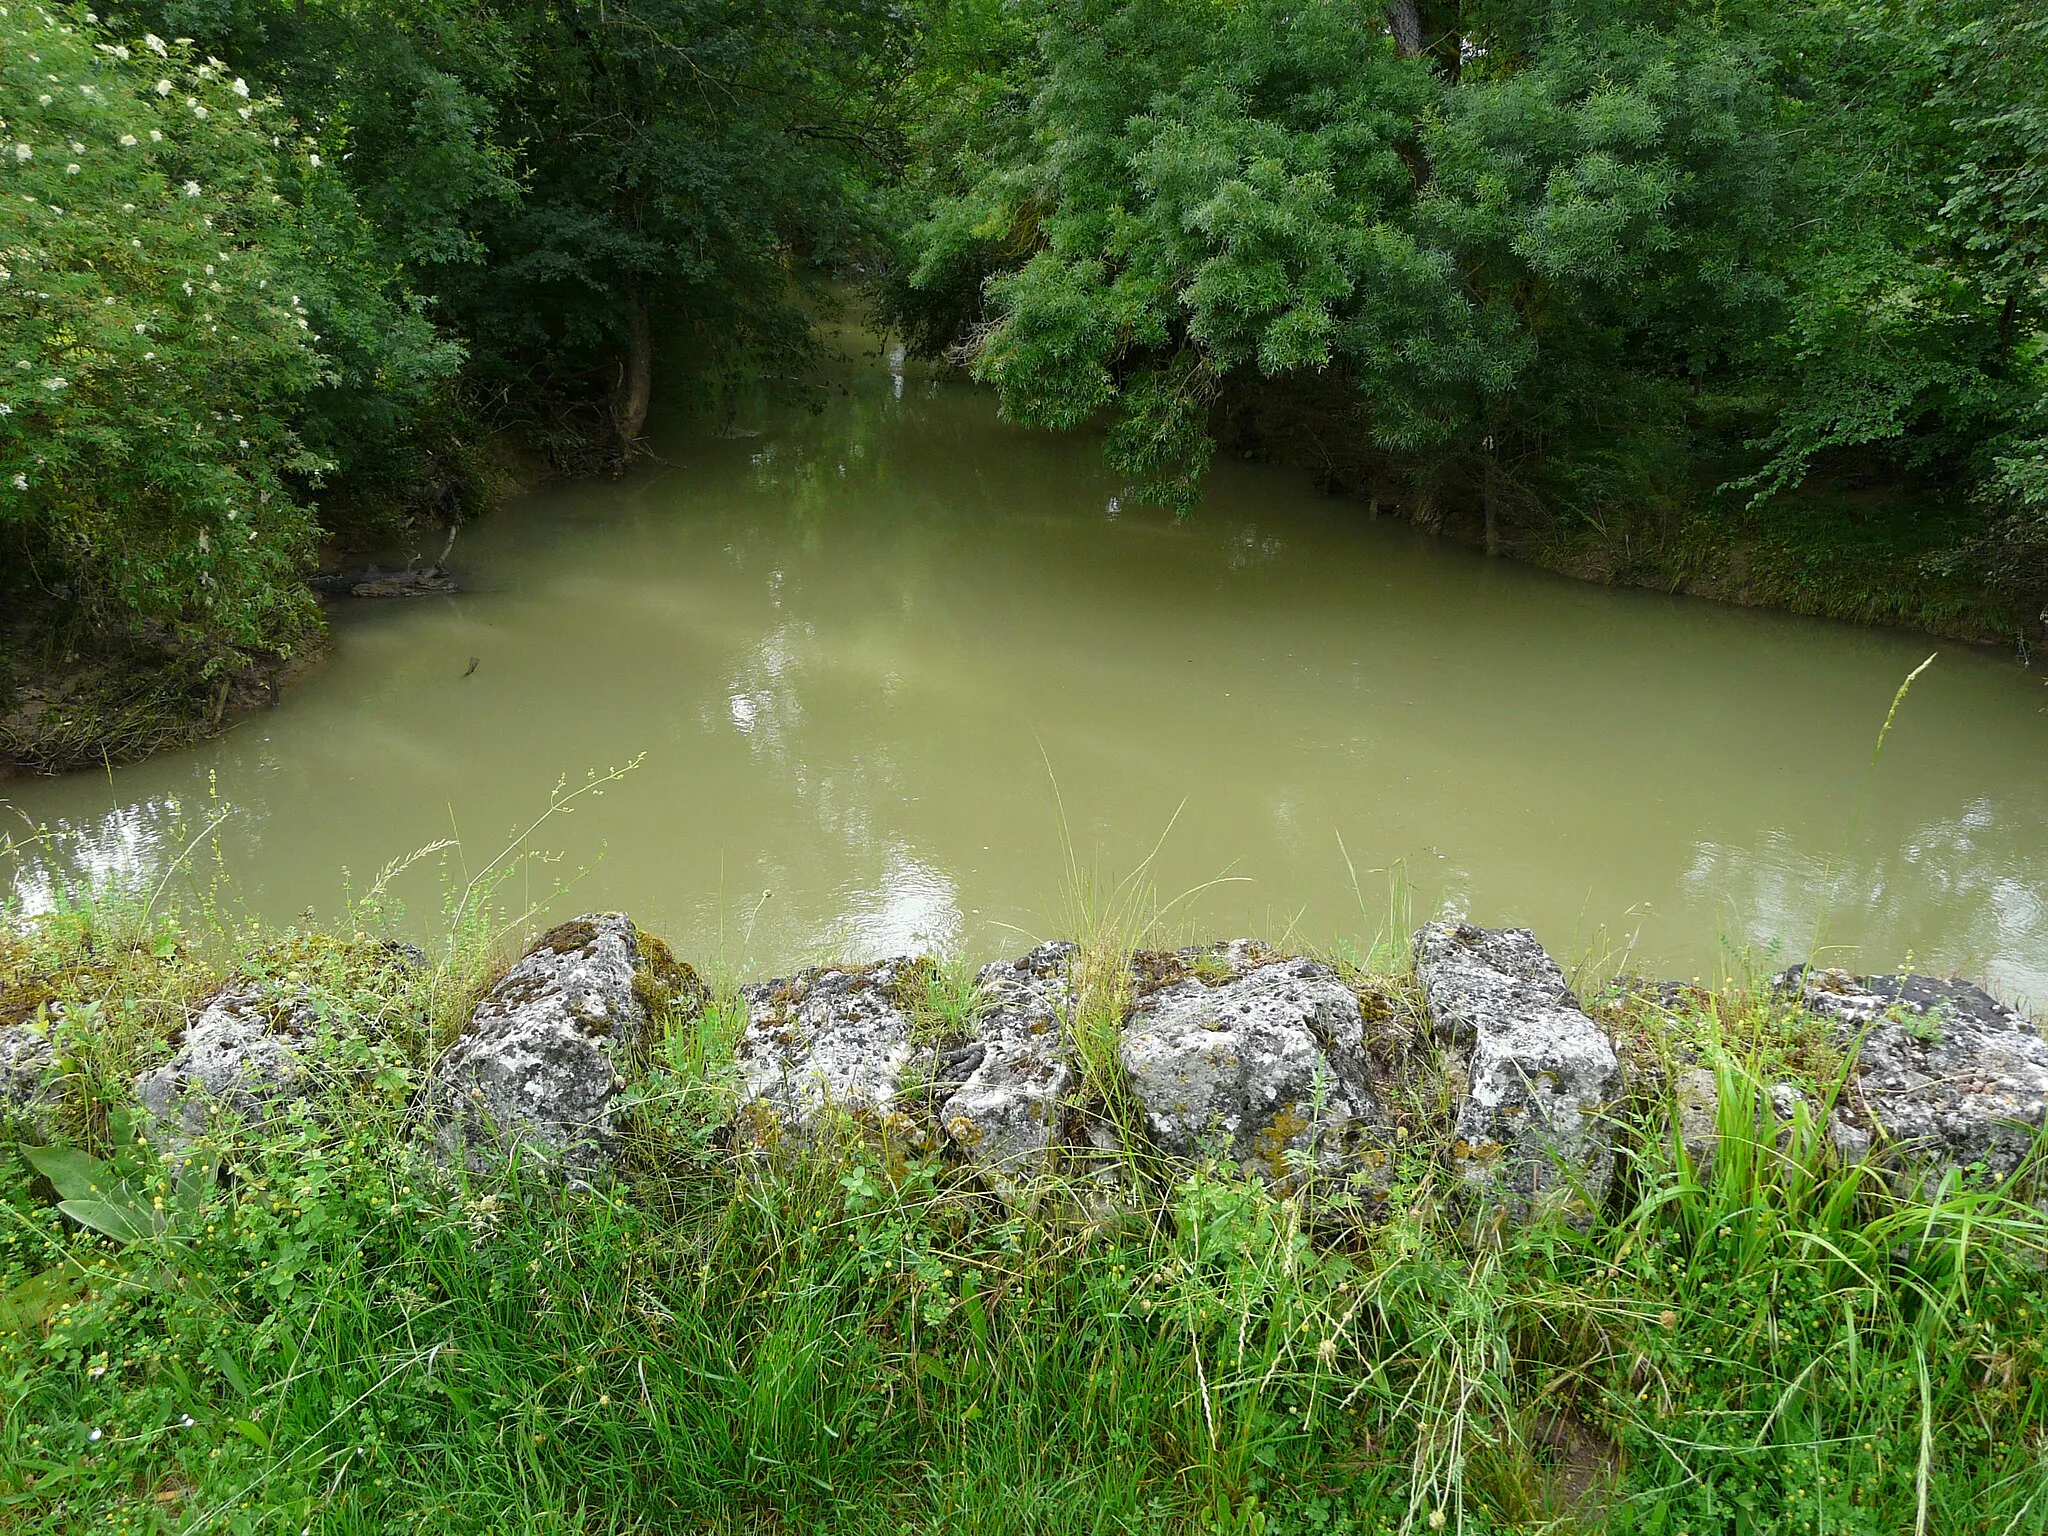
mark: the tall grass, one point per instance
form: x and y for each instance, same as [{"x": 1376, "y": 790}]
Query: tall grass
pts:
[{"x": 347, "y": 1338}]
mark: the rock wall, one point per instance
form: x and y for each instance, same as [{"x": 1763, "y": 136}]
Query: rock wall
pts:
[{"x": 1281, "y": 1067}]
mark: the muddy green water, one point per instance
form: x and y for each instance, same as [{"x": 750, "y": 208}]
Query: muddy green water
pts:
[{"x": 865, "y": 655}]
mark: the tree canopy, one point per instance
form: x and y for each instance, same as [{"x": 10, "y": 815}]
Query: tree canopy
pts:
[{"x": 1538, "y": 259}]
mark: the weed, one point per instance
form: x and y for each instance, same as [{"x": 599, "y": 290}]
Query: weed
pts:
[{"x": 340, "y": 1335}]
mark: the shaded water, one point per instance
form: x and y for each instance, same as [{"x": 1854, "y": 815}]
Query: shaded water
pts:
[{"x": 859, "y": 650}]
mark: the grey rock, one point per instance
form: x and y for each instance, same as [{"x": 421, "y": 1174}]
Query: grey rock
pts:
[
  {"x": 243, "y": 1054},
  {"x": 28, "y": 1099},
  {"x": 1262, "y": 1059},
  {"x": 1946, "y": 1075},
  {"x": 1696, "y": 1098},
  {"x": 825, "y": 1041},
  {"x": 247, "y": 1053},
  {"x": 1018, "y": 1109},
  {"x": 544, "y": 1057},
  {"x": 1536, "y": 1125}
]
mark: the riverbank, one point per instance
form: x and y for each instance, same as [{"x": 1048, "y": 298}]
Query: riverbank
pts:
[
  {"x": 66, "y": 709},
  {"x": 742, "y": 1319},
  {"x": 1894, "y": 553},
  {"x": 1887, "y": 561},
  {"x": 74, "y": 699}
]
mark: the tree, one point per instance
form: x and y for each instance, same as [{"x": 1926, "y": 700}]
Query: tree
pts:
[
  {"x": 181, "y": 268},
  {"x": 1491, "y": 257}
]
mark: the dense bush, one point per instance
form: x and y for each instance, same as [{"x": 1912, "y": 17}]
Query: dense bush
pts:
[{"x": 185, "y": 289}]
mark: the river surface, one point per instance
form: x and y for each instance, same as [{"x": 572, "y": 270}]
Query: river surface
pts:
[{"x": 887, "y": 666}]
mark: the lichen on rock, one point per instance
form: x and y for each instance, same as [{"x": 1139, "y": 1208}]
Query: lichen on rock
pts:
[
  {"x": 831, "y": 1040},
  {"x": 1019, "y": 1107},
  {"x": 1945, "y": 1076},
  {"x": 545, "y": 1055},
  {"x": 1536, "y": 1125},
  {"x": 28, "y": 1098},
  {"x": 251, "y": 1048},
  {"x": 1262, "y": 1060},
  {"x": 243, "y": 1054}
]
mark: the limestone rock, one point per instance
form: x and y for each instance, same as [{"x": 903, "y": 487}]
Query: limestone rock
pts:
[
  {"x": 1536, "y": 1125},
  {"x": 1016, "y": 1108},
  {"x": 244, "y": 1054},
  {"x": 833, "y": 1039},
  {"x": 1262, "y": 1059},
  {"x": 545, "y": 1055},
  {"x": 1946, "y": 1077},
  {"x": 1696, "y": 1098},
  {"x": 247, "y": 1052},
  {"x": 27, "y": 1099}
]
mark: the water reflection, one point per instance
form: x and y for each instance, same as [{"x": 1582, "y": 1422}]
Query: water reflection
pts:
[
  {"x": 127, "y": 846},
  {"x": 912, "y": 909}
]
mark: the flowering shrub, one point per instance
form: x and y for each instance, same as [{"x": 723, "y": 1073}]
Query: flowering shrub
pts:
[{"x": 172, "y": 253}]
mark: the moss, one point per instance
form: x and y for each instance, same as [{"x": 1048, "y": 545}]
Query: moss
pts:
[
  {"x": 1154, "y": 970},
  {"x": 1270, "y": 1146},
  {"x": 566, "y": 938},
  {"x": 670, "y": 990},
  {"x": 21, "y": 1001}
]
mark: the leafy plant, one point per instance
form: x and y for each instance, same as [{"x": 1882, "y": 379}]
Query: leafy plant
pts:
[
  {"x": 182, "y": 267},
  {"x": 113, "y": 1198}
]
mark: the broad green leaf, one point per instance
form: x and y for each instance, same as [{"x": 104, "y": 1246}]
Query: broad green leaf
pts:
[
  {"x": 129, "y": 1222},
  {"x": 75, "y": 1175},
  {"x": 37, "y": 1298}
]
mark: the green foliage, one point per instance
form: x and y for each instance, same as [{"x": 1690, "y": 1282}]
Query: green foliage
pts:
[
  {"x": 678, "y": 154},
  {"x": 185, "y": 281},
  {"x": 1214, "y": 190},
  {"x": 112, "y": 1199},
  {"x": 1567, "y": 268},
  {"x": 213, "y": 272},
  {"x": 565, "y": 177},
  {"x": 342, "y": 1336}
]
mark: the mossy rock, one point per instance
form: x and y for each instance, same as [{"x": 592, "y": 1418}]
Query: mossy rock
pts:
[{"x": 668, "y": 988}]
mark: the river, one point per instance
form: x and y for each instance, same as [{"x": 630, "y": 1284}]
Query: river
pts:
[{"x": 890, "y": 667}]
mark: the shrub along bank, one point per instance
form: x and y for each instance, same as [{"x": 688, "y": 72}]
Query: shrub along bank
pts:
[{"x": 308, "y": 1321}]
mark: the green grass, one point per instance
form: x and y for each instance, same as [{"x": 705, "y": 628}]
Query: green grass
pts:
[{"x": 340, "y": 1337}]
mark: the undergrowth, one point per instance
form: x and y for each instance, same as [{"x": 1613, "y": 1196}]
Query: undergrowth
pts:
[{"x": 339, "y": 1335}]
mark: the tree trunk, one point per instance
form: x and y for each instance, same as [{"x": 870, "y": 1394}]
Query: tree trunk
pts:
[
  {"x": 1405, "y": 17},
  {"x": 637, "y": 388},
  {"x": 440, "y": 564}
]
